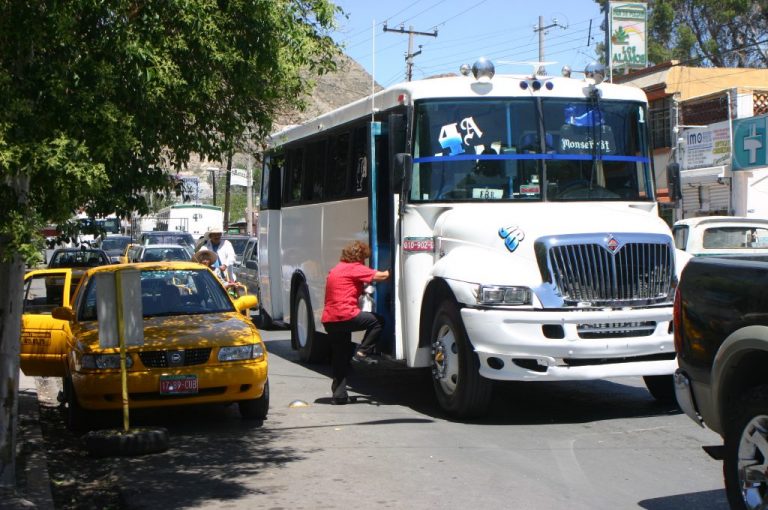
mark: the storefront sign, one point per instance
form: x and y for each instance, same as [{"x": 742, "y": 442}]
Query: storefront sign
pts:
[
  {"x": 749, "y": 142},
  {"x": 706, "y": 147},
  {"x": 627, "y": 43}
]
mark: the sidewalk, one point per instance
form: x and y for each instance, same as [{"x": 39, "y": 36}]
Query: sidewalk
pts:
[{"x": 33, "y": 486}]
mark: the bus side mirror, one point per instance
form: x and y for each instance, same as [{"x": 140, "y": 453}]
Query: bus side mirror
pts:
[{"x": 403, "y": 169}]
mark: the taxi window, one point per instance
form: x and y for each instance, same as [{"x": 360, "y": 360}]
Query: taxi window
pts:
[{"x": 43, "y": 293}]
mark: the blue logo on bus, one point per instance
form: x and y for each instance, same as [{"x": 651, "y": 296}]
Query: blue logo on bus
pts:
[{"x": 512, "y": 236}]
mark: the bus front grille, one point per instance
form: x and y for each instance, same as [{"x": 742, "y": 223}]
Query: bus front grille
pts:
[{"x": 607, "y": 272}]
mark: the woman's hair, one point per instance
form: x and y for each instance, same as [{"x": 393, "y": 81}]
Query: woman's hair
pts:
[{"x": 356, "y": 251}]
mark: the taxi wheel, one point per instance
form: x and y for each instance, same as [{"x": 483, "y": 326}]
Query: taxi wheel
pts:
[
  {"x": 460, "y": 389},
  {"x": 76, "y": 418},
  {"x": 313, "y": 347},
  {"x": 257, "y": 408},
  {"x": 662, "y": 387},
  {"x": 121, "y": 443}
]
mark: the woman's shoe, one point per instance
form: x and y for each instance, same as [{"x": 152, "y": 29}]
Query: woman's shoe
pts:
[
  {"x": 363, "y": 358},
  {"x": 340, "y": 401}
]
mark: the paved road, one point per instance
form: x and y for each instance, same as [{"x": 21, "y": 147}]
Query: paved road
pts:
[{"x": 585, "y": 445}]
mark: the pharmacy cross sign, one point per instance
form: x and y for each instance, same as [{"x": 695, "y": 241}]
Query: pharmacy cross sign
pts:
[{"x": 750, "y": 146}]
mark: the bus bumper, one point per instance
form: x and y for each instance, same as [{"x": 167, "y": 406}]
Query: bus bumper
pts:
[{"x": 571, "y": 345}]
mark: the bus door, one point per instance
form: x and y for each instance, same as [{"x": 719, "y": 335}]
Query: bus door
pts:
[
  {"x": 381, "y": 221},
  {"x": 270, "y": 298}
]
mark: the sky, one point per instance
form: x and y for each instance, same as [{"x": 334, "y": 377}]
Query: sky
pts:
[{"x": 502, "y": 30}]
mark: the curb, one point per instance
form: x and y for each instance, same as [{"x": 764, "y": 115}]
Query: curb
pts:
[{"x": 33, "y": 488}]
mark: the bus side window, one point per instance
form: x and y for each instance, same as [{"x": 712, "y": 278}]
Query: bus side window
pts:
[
  {"x": 337, "y": 166},
  {"x": 314, "y": 166},
  {"x": 358, "y": 185},
  {"x": 292, "y": 191}
]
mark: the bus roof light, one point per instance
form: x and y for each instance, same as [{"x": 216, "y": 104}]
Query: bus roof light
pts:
[
  {"x": 483, "y": 69},
  {"x": 566, "y": 71},
  {"x": 595, "y": 71},
  {"x": 465, "y": 69}
]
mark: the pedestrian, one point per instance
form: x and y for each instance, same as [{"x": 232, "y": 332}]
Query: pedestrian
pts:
[
  {"x": 224, "y": 251},
  {"x": 342, "y": 315}
]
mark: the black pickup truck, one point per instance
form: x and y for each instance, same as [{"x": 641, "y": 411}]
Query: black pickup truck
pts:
[{"x": 721, "y": 339}]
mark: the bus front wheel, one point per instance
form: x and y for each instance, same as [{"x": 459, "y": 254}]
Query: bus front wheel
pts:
[
  {"x": 312, "y": 346},
  {"x": 460, "y": 389}
]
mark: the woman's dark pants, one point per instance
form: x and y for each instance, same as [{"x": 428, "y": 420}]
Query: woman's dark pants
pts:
[{"x": 342, "y": 348}]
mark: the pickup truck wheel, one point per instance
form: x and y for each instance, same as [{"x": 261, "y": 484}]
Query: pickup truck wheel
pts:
[
  {"x": 313, "y": 348},
  {"x": 257, "y": 408},
  {"x": 460, "y": 389},
  {"x": 746, "y": 452},
  {"x": 662, "y": 387}
]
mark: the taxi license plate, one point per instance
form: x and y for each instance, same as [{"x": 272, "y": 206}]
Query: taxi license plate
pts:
[{"x": 178, "y": 384}]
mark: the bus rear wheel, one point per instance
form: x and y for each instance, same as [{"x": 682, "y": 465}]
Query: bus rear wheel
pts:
[
  {"x": 312, "y": 347},
  {"x": 460, "y": 389}
]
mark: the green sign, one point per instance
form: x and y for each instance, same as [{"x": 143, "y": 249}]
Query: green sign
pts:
[
  {"x": 627, "y": 45},
  {"x": 749, "y": 142}
]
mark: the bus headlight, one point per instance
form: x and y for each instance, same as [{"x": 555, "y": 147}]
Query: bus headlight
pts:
[{"x": 491, "y": 295}]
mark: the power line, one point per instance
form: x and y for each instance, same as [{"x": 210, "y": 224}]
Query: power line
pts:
[{"x": 409, "y": 56}]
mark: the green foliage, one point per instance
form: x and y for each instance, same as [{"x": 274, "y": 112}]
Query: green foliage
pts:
[
  {"x": 100, "y": 101},
  {"x": 720, "y": 33}
]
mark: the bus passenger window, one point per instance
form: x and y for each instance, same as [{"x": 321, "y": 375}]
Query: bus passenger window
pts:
[
  {"x": 337, "y": 167},
  {"x": 292, "y": 192}
]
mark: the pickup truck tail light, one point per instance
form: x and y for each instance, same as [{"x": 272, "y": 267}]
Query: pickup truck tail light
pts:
[{"x": 677, "y": 321}]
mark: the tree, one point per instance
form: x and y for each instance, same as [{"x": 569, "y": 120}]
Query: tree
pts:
[
  {"x": 99, "y": 100},
  {"x": 719, "y": 33}
]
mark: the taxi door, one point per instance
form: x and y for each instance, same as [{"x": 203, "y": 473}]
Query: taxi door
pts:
[{"x": 43, "y": 338}]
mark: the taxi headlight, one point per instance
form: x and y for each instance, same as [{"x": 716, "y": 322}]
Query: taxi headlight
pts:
[
  {"x": 104, "y": 361},
  {"x": 241, "y": 352},
  {"x": 499, "y": 295}
]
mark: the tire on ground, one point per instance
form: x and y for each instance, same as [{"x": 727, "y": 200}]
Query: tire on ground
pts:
[
  {"x": 257, "y": 408},
  {"x": 746, "y": 434},
  {"x": 120, "y": 443},
  {"x": 312, "y": 346},
  {"x": 469, "y": 395}
]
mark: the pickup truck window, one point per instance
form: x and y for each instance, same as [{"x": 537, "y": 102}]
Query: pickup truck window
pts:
[{"x": 734, "y": 237}]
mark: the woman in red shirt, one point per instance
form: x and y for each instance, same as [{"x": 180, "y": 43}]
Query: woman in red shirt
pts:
[{"x": 342, "y": 315}]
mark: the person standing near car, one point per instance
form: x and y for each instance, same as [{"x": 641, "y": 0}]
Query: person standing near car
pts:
[
  {"x": 342, "y": 315},
  {"x": 224, "y": 251}
]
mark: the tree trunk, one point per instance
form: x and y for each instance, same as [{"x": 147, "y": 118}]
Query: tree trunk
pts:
[{"x": 11, "y": 286}]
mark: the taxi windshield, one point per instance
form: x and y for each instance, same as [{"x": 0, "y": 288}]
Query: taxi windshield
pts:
[{"x": 170, "y": 293}]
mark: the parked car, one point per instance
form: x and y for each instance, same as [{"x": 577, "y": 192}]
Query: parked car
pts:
[
  {"x": 198, "y": 347},
  {"x": 78, "y": 258},
  {"x": 167, "y": 237},
  {"x": 722, "y": 236},
  {"x": 115, "y": 246},
  {"x": 247, "y": 270},
  {"x": 239, "y": 243},
  {"x": 721, "y": 339},
  {"x": 158, "y": 252}
]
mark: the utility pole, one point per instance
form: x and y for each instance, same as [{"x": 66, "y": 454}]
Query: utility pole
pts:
[
  {"x": 540, "y": 28},
  {"x": 409, "y": 56}
]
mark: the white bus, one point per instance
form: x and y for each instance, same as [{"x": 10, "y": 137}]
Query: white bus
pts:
[
  {"x": 193, "y": 218},
  {"x": 516, "y": 213}
]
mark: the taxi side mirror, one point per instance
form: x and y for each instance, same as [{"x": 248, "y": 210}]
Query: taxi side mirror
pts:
[
  {"x": 245, "y": 302},
  {"x": 63, "y": 313}
]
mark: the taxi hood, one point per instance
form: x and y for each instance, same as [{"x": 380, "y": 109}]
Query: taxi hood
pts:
[{"x": 183, "y": 332}]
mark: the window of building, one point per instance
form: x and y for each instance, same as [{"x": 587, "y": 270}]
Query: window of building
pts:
[{"x": 660, "y": 112}]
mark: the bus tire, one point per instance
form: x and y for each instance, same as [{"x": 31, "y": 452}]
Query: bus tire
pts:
[
  {"x": 460, "y": 389},
  {"x": 313, "y": 348}
]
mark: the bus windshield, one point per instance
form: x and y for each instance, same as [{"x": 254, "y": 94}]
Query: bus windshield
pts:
[{"x": 555, "y": 149}]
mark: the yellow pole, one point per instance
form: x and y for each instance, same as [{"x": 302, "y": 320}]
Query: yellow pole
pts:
[{"x": 121, "y": 341}]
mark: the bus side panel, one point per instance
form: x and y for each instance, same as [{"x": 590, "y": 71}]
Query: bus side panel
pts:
[
  {"x": 302, "y": 233},
  {"x": 270, "y": 284}
]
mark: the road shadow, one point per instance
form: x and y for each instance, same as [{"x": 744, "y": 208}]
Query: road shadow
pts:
[
  {"x": 213, "y": 455},
  {"x": 704, "y": 500},
  {"x": 513, "y": 403}
]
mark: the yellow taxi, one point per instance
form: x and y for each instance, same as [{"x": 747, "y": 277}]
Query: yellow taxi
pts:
[{"x": 199, "y": 345}]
